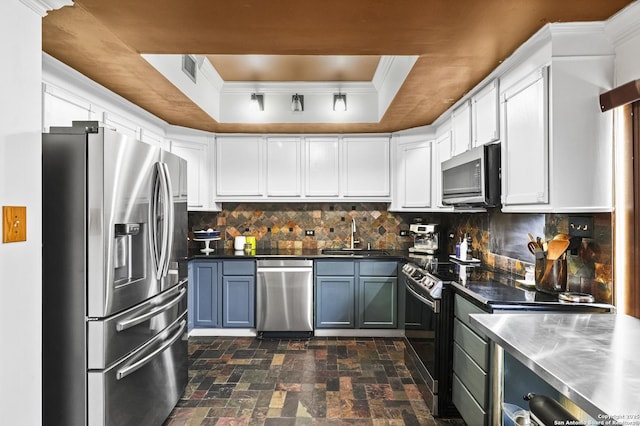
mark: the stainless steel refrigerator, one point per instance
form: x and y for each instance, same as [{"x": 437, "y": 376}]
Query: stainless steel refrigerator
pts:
[{"x": 114, "y": 278}]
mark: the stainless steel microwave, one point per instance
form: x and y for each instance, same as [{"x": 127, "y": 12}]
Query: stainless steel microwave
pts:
[{"x": 472, "y": 179}]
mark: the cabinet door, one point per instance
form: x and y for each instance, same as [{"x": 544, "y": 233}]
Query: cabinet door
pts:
[
  {"x": 335, "y": 302},
  {"x": 461, "y": 129},
  {"x": 366, "y": 167},
  {"x": 484, "y": 108},
  {"x": 414, "y": 175},
  {"x": 205, "y": 294},
  {"x": 238, "y": 304},
  {"x": 238, "y": 166},
  {"x": 525, "y": 142},
  {"x": 122, "y": 124},
  {"x": 283, "y": 167},
  {"x": 442, "y": 152},
  {"x": 377, "y": 302},
  {"x": 60, "y": 108},
  {"x": 197, "y": 156},
  {"x": 322, "y": 177},
  {"x": 154, "y": 139}
]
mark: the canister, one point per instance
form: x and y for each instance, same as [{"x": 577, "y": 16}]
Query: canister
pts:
[{"x": 252, "y": 241}]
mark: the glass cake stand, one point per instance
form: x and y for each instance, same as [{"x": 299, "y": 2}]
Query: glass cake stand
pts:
[{"x": 207, "y": 249}]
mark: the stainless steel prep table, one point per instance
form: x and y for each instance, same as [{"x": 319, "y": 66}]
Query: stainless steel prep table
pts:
[{"x": 592, "y": 359}]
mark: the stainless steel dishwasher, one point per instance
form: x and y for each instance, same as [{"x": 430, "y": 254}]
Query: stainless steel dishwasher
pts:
[{"x": 284, "y": 296}]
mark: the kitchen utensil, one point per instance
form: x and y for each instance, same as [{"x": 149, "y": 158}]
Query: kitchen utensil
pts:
[
  {"x": 239, "y": 242},
  {"x": 530, "y": 235},
  {"x": 533, "y": 247},
  {"x": 556, "y": 248},
  {"x": 562, "y": 237}
]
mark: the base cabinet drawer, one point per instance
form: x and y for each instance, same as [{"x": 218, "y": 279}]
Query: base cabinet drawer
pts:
[
  {"x": 469, "y": 409},
  {"x": 476, "y": 347},
  {"x": 462, "y": 309},
  {"x": 474, "y": 378}
]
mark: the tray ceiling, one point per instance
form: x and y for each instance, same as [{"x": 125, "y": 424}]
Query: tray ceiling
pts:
[{"x": 458, "y": 43}]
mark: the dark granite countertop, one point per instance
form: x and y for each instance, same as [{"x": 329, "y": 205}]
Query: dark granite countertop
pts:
[{"x": 303, "y": 253}]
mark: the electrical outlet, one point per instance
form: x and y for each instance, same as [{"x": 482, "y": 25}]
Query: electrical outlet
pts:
[
  {"x": 309, "y": 232},
  {"x": 581, "y": 226},
  {"x": 404, "y": 233}
]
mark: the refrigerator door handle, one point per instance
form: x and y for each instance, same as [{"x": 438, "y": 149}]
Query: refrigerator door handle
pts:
[
  {"x": 130, "y": 322},
  {"x": 153, "y": 220},
  {"x": 161, "y": 250},
  {"x": 168, "y": 222},
  {"x": 131, "y": 368}
]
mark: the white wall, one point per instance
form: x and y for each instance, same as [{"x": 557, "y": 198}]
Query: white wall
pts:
[{"x": 20, "y": 184}]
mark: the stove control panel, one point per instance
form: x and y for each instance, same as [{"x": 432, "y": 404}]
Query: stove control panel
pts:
[{"x": 430, "y": 284}]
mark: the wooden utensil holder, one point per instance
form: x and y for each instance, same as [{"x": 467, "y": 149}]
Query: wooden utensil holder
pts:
[{"x": 551, "y": 275}]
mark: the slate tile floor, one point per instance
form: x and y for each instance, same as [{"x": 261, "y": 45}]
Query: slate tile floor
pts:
[{"x": 322, "y": 381}]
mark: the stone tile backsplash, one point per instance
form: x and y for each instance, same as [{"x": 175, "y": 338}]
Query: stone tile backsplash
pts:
[{"x": 283, "y": 226}]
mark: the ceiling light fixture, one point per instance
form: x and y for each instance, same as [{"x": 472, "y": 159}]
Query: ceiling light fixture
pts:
[
  {"x": 339, "y": 102},
  {"x": 257, "y": 102},
  {"x": 297, "y": 103}
]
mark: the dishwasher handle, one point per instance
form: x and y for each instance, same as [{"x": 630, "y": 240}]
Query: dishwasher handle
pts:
[
  {"x": 280, "y": 265},
  {"x": 284, "y": 269}
]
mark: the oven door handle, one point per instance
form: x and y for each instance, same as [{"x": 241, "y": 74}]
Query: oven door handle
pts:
[{"x": 434, "y": 306}]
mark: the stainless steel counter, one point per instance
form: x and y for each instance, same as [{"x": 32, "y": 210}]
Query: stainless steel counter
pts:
[{"x": 592, "y": 359}]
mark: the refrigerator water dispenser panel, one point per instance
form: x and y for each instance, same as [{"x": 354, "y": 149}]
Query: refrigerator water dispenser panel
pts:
[{"x": 128, "y": 253}]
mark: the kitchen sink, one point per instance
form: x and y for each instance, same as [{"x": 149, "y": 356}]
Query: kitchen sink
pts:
[{"x": 355, "y": 252}]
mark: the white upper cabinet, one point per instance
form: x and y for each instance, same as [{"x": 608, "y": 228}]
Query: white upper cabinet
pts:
[
  {"x": 412, "y": 175},
  {"x": 557, "y": 145},
  {"x": 60, "y": 108},
  {"x": 484, "y": 115},
  {"x": 283, "y": 167},
  {"x": 441, "y": 152},
  {"x": 154, "y": 139},
  {"x": 239, "y": 167},
  {"x": 322, "y": 167},
  {"x": 525, "y": 144},
  {"x": 198, "y": 157},
  {"x": 366, "y": 167},
  {"x": 461, "y": 128}
]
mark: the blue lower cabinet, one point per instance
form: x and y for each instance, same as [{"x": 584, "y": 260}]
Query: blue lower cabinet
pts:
[
  {"x": 356, "y": 294},
  {"x": 205, "y": 294},
  {"x": 221, "y": 294},
  {"x": 238, "y": 305},
  {"x": 378, "y": 302},
  {"x": 335, "y": 302}
]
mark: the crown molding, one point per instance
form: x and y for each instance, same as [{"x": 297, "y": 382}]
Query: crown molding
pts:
[
  {"x": 42, "y": 7},
  {"x": 624, "y": 25}
]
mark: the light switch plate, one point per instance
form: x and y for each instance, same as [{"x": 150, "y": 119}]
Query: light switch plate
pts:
[{"x": 14, "y": 224}]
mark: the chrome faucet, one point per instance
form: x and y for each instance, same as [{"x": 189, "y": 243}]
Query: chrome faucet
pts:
[{"x": 353, "y": 234}]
